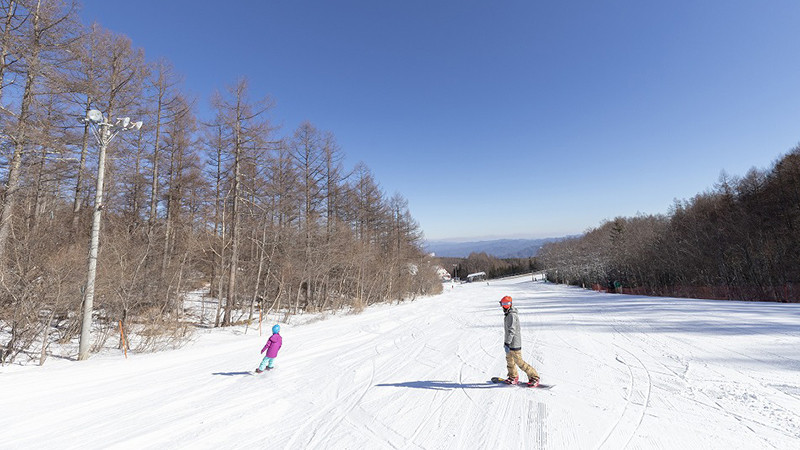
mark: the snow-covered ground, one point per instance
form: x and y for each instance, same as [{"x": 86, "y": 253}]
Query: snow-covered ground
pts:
[{"x": 630, "y": 372}]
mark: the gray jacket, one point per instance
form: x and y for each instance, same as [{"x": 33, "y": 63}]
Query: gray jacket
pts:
[{"x": 513, "y": 338}]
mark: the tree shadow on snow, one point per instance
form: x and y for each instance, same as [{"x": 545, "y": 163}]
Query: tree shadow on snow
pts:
[
  {"x": 442, "y": 385},
  {"x": 230, "y": 374}
]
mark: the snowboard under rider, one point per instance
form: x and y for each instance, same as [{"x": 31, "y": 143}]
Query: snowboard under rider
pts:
[
  {"x": 513, "y": 346},
  {"x": 273, "y": 345}
]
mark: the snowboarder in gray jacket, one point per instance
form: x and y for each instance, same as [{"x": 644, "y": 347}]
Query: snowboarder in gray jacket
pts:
[{"x": 512, "y": 344}]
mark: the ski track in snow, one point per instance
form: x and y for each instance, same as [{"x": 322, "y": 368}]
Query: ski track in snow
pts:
[{"x": 630, "y": 372}]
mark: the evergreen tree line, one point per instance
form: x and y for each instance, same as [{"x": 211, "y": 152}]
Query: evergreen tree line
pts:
[
  {"x": 493, "y": 267},
  {"x": 740, "y": 240},
  {"x": 228, "y": 203}
]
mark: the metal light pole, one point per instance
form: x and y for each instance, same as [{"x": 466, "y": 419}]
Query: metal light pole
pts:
[{"x": 102, "y": 130}]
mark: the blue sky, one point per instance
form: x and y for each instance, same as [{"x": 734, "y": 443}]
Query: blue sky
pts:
[{"x": 505, "y": 118}]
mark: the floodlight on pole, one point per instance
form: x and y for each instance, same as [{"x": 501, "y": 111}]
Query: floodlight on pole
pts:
[
  {"x": 94, "y": 116},
  {"x": 104, "y": 134}
]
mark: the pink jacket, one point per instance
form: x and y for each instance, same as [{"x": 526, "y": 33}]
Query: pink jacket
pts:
[{"x": 273, "y": 345}]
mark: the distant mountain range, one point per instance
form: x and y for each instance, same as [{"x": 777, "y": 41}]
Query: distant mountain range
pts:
[{"x": 499, "y": 248}]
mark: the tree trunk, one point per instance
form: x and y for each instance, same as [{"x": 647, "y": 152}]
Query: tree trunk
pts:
[
  {"x": 15, "y": 165},
  {"x": 234, "y": 236},
  {"x": 46, "y": 337},
  {"x": 76, "y": 204}
]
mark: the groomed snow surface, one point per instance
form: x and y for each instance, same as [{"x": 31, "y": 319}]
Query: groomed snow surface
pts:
[{"x": 630, "y": 372}]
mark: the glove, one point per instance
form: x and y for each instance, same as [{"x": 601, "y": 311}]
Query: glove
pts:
[{"x": 505, "y": 347}]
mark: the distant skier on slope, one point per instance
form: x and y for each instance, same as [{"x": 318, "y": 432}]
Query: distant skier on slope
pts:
[
  {"x": 273, "y": 345},
  {"x": 513, "y": 346}
]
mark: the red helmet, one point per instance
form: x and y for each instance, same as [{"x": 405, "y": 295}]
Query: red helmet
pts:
[{"x": 505, "y": 302}]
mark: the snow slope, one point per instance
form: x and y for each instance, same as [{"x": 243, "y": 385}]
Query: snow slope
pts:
[{"x": 630, "y": 372}]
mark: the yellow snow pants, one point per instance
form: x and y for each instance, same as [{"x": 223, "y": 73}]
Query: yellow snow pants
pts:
[{"x": 514, "y": 359}]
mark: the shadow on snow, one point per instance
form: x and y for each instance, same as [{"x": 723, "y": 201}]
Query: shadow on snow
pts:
[
  {"x": 230, "y": 374},
  {"x": 442, "y": 385}
]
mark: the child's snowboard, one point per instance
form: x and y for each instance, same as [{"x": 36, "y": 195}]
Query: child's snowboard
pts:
[{"x": 540, "y": 386}]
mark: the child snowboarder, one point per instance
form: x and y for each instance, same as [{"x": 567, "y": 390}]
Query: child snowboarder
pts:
[
  {"x": 273, "y": 345},
  {"x": 513, "y": 346}
]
